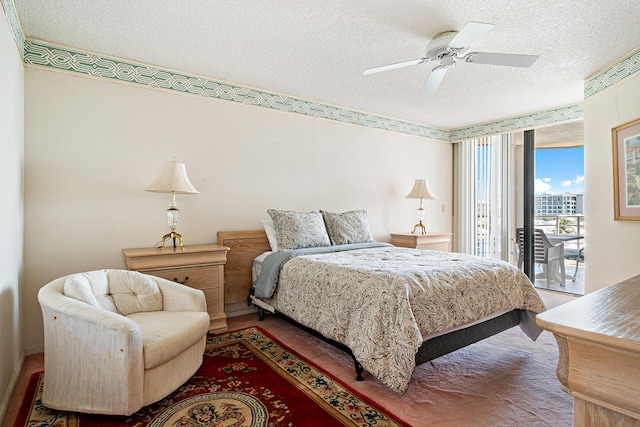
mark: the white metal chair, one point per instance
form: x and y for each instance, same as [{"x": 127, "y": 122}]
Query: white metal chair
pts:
[{"x": 549, "y": 256}]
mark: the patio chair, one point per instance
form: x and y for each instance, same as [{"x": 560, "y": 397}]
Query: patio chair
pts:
[
  {"x": 577, "y": 255},
  {"x": 546, "y": 254}
]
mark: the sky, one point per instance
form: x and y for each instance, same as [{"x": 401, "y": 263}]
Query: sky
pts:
[{"x": 559, "y": 171}]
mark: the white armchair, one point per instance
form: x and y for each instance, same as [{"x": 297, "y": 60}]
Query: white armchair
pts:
[{"x": 118, "y": 340}]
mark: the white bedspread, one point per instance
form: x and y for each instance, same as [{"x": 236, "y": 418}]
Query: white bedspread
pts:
[{"x": 381, "y": 301}]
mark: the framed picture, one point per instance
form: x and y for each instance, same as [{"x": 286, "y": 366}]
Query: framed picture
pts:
[{"x": 626, "y": 171}]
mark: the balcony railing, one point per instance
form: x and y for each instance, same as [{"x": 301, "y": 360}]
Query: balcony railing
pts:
[
  {"x": 488, "y": 244},
  {"x": 561, "y": 224}
]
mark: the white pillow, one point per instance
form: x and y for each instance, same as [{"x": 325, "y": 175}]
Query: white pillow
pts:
[{"x": 271, "y": 234}]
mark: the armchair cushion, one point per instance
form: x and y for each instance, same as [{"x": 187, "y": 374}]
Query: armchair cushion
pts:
[
  {"x": 161, "y": 340},
  {"x": 120, "y": 291}
]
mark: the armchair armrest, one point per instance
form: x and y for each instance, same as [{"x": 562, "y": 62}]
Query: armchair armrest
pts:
[
  {"x": 178, "y": 297},
  {"x": 87, "y": 345}
]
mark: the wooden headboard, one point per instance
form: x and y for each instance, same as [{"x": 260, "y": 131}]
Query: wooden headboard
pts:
[{"x": 244, "y": 247}]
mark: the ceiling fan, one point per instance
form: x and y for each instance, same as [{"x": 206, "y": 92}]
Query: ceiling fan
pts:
[{"x": 452, "y": 46}]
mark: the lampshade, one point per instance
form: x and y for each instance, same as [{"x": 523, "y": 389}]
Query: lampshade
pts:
[
  {"x": 173, "y": 179},
  {"x": 421, "y": 190}
]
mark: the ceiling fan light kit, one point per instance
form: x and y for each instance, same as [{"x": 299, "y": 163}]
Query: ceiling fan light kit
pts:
[{"x": 449, "y": 46}]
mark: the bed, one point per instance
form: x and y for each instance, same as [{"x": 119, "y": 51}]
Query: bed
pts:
[{"x": 387, "y": 332}]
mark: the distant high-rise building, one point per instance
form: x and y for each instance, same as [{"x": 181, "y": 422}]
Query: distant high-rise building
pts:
[{"x": 559, "y": 204}]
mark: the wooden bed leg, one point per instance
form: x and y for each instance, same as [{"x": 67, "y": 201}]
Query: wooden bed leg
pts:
[
  {"x": 261, "y": 313},
  {"x": 359, "y": 370}
]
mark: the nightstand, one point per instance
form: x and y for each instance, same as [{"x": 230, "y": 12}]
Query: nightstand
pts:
[
  {"x": 433, "y": 241},
  {"x": 198, "y": 266}
]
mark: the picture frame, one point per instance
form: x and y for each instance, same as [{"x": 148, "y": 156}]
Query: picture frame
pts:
[{"x": 626, "y": 171}]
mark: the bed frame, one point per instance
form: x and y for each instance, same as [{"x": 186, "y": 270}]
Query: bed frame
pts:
[{"x": 245, "y": 246}]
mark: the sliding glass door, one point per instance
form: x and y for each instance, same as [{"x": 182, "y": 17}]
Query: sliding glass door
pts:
[{"x": 490, "y": 196}]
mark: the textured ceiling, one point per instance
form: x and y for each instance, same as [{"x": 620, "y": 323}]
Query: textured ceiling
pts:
[
  {"x": 317, "y": 49},
  {"x": 562, "y": 135}
]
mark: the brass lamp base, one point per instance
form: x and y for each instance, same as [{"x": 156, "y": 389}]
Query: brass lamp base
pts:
[
  {"x": 173, "y": 235},
  {"x": 421, "y": 226}
]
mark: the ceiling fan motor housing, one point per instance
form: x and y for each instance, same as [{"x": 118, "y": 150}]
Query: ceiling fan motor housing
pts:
[{"x": 439, "y": 45}]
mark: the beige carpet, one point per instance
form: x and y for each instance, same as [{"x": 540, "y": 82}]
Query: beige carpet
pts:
[{"x": 506, "y": 380}]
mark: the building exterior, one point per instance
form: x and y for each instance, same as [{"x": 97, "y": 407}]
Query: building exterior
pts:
[{"x": 559, "y": 204}]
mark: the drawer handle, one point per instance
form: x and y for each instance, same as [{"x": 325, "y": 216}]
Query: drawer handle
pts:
[{"x": 175, "y": 279}]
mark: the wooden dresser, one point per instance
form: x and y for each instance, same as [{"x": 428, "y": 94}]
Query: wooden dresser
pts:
[
  {"x": 599, "y": 340},
  {"x": 434, "y": 241},
  {"x": 198, "y": 266}
]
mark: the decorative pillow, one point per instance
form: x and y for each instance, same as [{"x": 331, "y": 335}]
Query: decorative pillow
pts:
[
  {"x": 348, "y": 227},
  {"x": 272, "y": 237},
  {"x": 133, "y": 292},
  {"x": 295, "y": 230},
  {"x": 91, "y": 287},
  {"x": 78, "y": 286}
]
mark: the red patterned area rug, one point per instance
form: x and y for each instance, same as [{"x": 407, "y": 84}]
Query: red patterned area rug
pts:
[{"x": 248, "y": 378}]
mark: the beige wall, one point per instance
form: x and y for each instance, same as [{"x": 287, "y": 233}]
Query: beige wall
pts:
[
  {"x": 91, "y": 147},
  {"x": 612, "y": 247},
  {"x": 11, "y": 210}
]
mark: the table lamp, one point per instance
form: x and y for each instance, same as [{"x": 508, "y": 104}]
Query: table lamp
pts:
[
  {"x": 172, "y": 179},
  {"x": 421, "y": 190}
]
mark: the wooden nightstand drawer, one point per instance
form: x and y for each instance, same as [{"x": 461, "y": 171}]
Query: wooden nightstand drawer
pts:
[
  {"x": 198, "y": 278},
  {"x": 198, "y": 266},
  {"x": 206, "y": 279},
  {"x": 432, "y": 241}
]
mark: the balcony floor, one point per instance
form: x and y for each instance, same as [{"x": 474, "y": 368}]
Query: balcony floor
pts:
[{"x": 572, "y": 287}]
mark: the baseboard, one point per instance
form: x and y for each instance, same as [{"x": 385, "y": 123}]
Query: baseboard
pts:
[
  {"x": 239, "y": 309},
  {"x": 6, "y": 398}
]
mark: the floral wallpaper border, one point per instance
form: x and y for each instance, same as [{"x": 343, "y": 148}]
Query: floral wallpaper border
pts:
[
  {"x": 44, "y": 54},
  {"x": 14, "y": 23},
  {"x": 72, "y": 60},
  {"x": 542, "y": 118},
  {"x": 613, "y": 75}
]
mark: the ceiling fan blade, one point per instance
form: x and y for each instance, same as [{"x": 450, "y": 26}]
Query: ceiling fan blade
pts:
[
  {"x": 471, "y": 32},
  {"x": 433, "y": 81},
  {"x": 508, "y": 59},
  {"x": 394, "y": 66}
]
